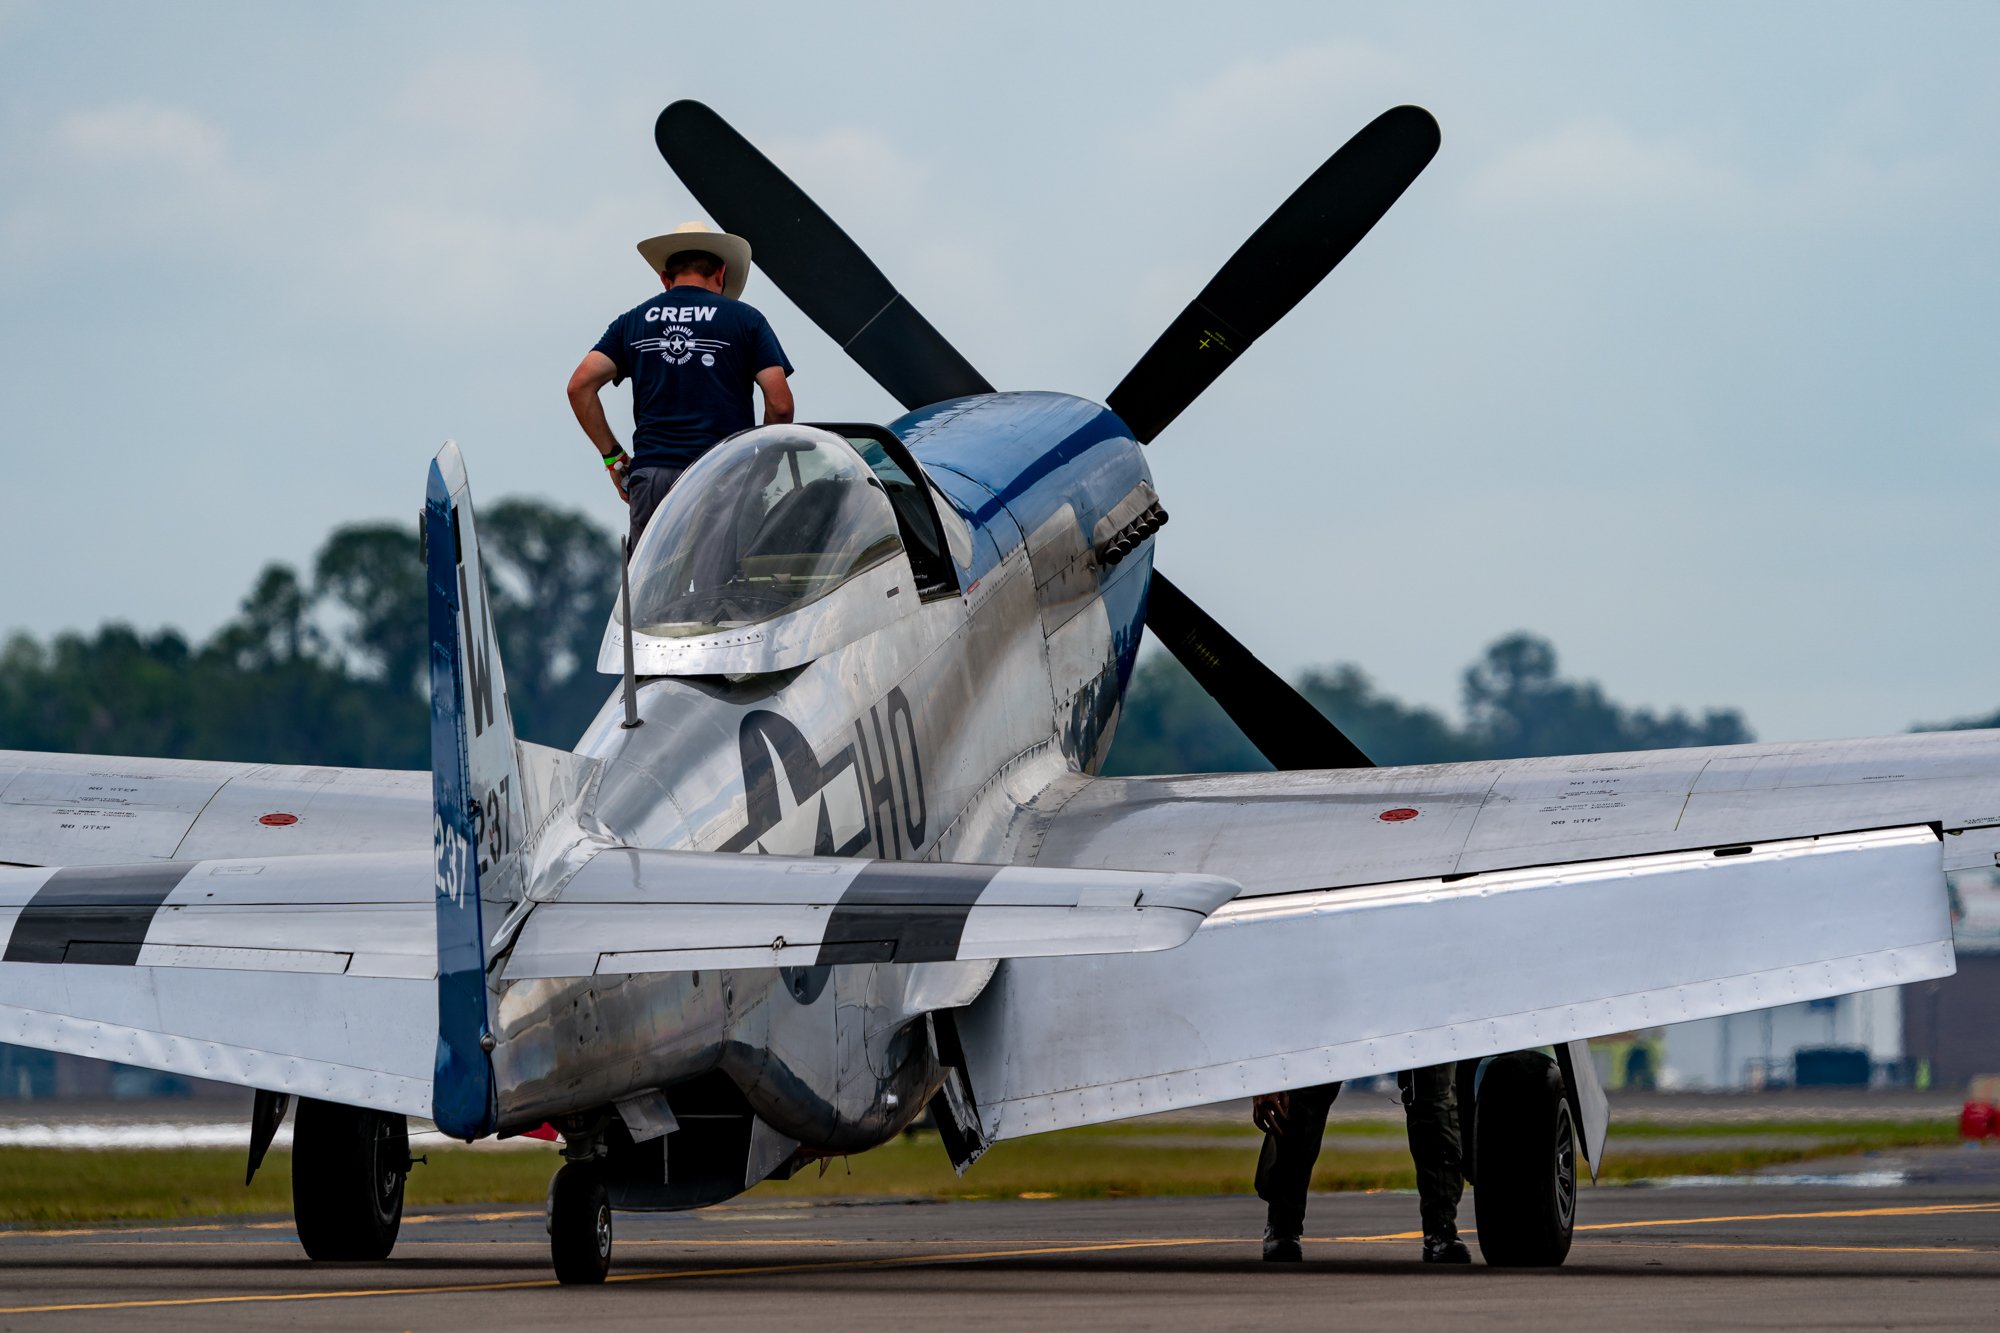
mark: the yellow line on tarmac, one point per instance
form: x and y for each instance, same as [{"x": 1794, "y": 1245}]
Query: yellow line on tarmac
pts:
[
  {"x": 31, "y": 1232},
  {"x": 825, "y": 1266},
  {"x": 1914, "y": 1210},
  {"x": 773, "y": 1242},
  {"x": 918, "y": 1260},
  {"x": 180, "y": 1227},
  {"x": 1824, "y": 1249}
]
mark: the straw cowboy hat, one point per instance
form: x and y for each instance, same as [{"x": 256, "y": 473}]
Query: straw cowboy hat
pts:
[{"x": 733, "y": 251}]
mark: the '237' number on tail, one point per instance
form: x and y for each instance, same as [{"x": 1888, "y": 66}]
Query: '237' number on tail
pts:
[{"x": 453, "y": 870}]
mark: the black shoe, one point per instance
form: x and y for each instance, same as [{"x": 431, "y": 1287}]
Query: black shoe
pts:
[
  {"x": 1281, "y": 1249},
  {"x": 1440, "y": 1250}
]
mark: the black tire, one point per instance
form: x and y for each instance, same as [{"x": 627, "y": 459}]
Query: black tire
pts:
[
  {"x": 1525, "y": 1199},
  {"x": 579, "y": 1225},
  {"x": 348, "y": 1170}
]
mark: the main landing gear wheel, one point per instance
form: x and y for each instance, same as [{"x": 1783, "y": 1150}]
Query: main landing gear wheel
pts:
[
  {"x": 579, "y": 1225},
  {"x": 1525, "y": 1198},
  {"x": 348, "y": 1170}
]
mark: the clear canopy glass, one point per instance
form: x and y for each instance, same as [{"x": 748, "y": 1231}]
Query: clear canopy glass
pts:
[{"x": 766, "y": 522}]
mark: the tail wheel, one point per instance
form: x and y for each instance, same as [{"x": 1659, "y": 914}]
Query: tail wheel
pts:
[
  {"x": 579, "y": 1225},
  {"x": 1525, "y": 1198},
  {"x": 348, "y": 1170}
]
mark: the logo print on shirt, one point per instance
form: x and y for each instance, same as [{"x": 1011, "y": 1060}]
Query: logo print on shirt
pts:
[{"x": 678, "y": 346}]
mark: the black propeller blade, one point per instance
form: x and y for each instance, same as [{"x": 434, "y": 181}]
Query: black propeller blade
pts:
[
  {"x": 1279, "y": 720},
  {"x": 811, "y": 259},
  {"x": 1282, "y": 261}
]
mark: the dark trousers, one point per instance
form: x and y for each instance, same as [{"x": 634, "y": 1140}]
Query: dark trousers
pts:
[
  {"x": 1285, "y": 1166},
  {"x": 1430, "y": 1113},
  {"x": 645, "y": 487}
]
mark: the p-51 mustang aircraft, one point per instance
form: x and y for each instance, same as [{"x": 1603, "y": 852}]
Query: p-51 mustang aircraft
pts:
[{"x": 889, "y": 661}]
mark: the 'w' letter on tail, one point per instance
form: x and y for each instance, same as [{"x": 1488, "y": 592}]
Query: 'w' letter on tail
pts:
[{"x": 476, "y": 786}]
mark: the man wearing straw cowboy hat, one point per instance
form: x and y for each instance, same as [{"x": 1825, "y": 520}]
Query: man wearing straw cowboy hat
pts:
[{"x": 692, "y": 356}]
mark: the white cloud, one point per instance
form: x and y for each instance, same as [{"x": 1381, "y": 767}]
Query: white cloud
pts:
[
  {"x": 492, "y": 98},
  {"x": 1200, "y": 175},
  {"x": 438, "y": 266},
  {"x": 1257, "y": 96},
  {"x": 144, "y": 134},
  {"x": 18, "y": 14},
  {"x": 1599, "y": 164},
  {"x": 859, "y": 178},
  {"x": 938, "y": 252},
  {"x": 150, "y": 176},
  {"x": 1844, "y": 184}
]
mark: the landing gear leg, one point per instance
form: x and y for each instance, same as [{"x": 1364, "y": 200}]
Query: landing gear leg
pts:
[
  {"x": 579, "y": 1224},
  {"x": 348, "y": 1170}
]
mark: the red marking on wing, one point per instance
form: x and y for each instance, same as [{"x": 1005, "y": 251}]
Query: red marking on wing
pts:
[
  {"x": 1398, "y": 815},
  {"x": 278, "y": 819}
]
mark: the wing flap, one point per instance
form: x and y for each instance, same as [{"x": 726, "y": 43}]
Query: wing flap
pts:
[
  {"x": 1285, "y": 991},
  {"x": 630, "y": 911}
]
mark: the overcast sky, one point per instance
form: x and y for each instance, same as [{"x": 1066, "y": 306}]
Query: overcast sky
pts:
[{"x": 1682, "y": 353}]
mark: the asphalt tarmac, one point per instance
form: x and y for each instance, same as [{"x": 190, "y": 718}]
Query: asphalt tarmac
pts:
[{"x": 1820, "y": 1251}]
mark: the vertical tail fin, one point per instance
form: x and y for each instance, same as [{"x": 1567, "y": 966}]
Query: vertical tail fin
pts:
[{"x": 476, "y": 789}]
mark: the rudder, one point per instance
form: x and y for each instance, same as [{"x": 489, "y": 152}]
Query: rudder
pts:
[{"x": 476, "y": 791}]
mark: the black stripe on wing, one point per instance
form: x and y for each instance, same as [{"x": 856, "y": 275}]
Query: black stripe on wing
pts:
[
  {"x": 93, "y": 914},
  {"x": 903, "y": 912}
]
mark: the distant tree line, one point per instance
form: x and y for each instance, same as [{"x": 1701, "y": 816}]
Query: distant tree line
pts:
[
  {"x": 328, "y": 667},
  {"x": 1516, "y": 704}
]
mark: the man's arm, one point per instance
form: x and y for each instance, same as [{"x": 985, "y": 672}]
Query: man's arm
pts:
[
  {"x": 591, "y": 374},
  {"x": 777, "y": 395}
]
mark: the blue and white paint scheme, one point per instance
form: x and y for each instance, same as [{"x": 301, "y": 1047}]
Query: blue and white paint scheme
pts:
[
  {"x": 856, "y": 858},
  {"x": 475, "y": 793}
]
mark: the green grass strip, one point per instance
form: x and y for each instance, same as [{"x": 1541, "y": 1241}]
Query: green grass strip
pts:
[{"x": 52, "y": 1188}]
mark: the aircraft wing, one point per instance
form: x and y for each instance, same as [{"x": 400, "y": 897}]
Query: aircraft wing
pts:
[
  {"x": 79, "y": 809},
  {"x": 1396, "y": 918},
  {"x": 1290, "y": 831},
  {"x": 629, "y": 910},
  {"x": 307, "y": 974}
]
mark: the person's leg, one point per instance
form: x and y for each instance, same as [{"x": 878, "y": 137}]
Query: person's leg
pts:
[
  {"x": 1430, "y": 1106},
  {"x": 645, "y": 487},
  {"x": 1285, "y": 1166}
]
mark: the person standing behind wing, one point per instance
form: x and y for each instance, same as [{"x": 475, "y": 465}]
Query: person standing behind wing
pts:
[
  {"x": 692, "y": 356},
  {"x": 1292, "y": 1124}
]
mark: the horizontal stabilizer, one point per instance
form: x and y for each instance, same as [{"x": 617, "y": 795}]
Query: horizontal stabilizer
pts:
[
  {"x": 305, "y": 974},
  {"x": 664, "y": 911}
]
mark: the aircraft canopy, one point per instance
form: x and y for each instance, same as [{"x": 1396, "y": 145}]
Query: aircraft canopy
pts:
[{"x": 762, "y": 524}]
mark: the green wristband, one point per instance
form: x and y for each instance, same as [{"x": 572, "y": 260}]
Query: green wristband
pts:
[{"x": 612, "y": 460}]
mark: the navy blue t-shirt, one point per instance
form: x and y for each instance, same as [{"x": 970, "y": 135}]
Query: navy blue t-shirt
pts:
[{"x": 692, "y": 356}]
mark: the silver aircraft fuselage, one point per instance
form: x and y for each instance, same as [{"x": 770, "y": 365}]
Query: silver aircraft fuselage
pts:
[{"x": 904, "y": 743}]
